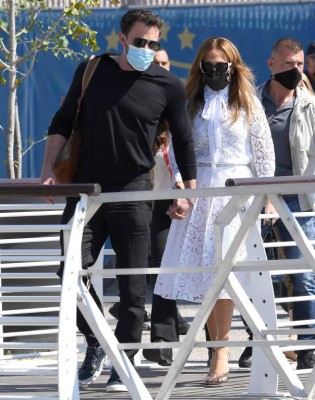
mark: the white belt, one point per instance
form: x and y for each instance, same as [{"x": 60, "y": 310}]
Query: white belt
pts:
[{"x": 218, "y": 165}]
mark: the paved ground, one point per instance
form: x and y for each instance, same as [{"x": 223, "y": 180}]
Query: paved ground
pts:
[{"x": 189, "y": 385}]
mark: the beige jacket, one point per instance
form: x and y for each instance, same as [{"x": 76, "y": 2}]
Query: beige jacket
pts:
[{"x": 302, "y": 140}]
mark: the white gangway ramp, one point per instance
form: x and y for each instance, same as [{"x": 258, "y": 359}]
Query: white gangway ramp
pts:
[{"x": 247, "y": 198}]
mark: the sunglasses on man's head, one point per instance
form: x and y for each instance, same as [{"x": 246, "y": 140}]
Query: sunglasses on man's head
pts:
[
  {"x": 220, "y": 67},
  {"x": 153, "y": 44}
]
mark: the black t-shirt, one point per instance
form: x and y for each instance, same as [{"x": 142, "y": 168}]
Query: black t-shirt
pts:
[
  {"x": 279, "y": 120},
  {"x": 120, "y": 115}
]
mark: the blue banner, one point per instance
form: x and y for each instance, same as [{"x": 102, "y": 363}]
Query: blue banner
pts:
[{"x": 253, "y": 28}]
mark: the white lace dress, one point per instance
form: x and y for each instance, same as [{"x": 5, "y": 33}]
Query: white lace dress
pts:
[{"x": 222, "y": 151}]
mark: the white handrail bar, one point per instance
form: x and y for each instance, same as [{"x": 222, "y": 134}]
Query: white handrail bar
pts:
[
  {"x": 24, "y": 299},
  {"x": 31, "y": 264},
  {"x": 33, "y": 332},
  {"x": 30, "y": 311},
  {"x": 30, "y": 240},
  {"x": 30, "y": 214}
]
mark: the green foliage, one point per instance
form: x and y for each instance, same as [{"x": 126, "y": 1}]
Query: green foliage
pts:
[
  {"x": 26, "y": 28},
  {"x": 52, "y": 32}
]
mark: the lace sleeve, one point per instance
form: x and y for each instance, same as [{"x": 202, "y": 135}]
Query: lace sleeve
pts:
[
  {"x": 261, "y": 142},
  {"x": 176, "y": 175}
]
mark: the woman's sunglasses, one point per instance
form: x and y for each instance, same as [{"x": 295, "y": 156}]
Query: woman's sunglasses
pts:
[
  {"x": 220, "y": 67},
  {"x": 152, "y": 44}
]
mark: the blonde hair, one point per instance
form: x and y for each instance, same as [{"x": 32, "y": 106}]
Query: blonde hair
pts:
[{"x": 241, "y": 88}]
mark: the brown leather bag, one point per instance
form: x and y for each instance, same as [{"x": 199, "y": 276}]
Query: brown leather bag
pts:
[{"x": 66, "y": 164}]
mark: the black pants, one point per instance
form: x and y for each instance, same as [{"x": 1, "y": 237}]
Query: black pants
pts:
[
  {"x": 164, "y": 323},
  {"x": 127, "y": 224}
]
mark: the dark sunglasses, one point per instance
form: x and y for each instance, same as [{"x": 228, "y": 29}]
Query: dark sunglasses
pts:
[
  {"x": 153, "y": 45},
  {"x": 220, "y": 67}
]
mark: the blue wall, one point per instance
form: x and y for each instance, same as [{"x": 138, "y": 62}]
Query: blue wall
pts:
[{"x": 252, "y": 28}]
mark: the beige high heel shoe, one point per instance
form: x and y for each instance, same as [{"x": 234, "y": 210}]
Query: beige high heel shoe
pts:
[{"x": 215, "y": 378}]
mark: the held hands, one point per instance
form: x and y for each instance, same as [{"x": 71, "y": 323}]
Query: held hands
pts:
[{"x": 179, "y": 209}]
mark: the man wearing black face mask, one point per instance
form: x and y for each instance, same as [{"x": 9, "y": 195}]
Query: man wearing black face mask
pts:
[{"x": 290, "y": 111}]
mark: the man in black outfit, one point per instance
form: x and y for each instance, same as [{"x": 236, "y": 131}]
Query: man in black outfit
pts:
[{"x": 124, "y": 103}]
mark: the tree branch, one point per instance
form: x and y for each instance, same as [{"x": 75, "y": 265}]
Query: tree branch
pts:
[
  {"x": 3, "y": 46},
  {"x": 34, "y": 16},
  {"x": 29, "y": 70},
  {"x": 39, "y": 42},
  {"x": 33, "y": 144},
  {"x": 2, "y": 28},
  {"x": 4, "y": 65}
]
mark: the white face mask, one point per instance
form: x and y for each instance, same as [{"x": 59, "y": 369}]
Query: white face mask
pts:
[{"x": 139, "y": 58}]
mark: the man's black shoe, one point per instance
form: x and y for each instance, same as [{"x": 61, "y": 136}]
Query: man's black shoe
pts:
[
  {"x": 114, "y": 310},
  {"x": 114, "y": 383},
  {"x": 305, "y": 359},
  {"x": 183, "y": 325},
  {"x": 245, "y": 360},
  {"x": 92, "y": 365},
  {"x": 161, "y": 356}
]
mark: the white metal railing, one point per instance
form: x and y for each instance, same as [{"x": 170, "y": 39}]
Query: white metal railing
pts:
[
  {"x": 26, "y": 247},
  {"x": 267, "y": 348},
  {"x": 12, "y": 297},
  {"x": 12, "y": 303},
  {"x": 272, "y": 363}
]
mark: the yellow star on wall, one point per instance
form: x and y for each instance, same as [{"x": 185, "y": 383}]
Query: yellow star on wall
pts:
[
  {"x": 112, "y": 40},
  {"x": 186, "y": 39},
  {"x": 164, "y": 32}
]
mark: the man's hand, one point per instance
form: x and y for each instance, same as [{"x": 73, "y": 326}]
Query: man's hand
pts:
[
  {"x": 48, "y": 181},
  {"x": 179, "y": 209},
  {"x": 54, "y": 144}
]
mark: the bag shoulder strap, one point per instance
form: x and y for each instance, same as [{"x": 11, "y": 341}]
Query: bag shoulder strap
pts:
[{"x": 89, "y": 71}]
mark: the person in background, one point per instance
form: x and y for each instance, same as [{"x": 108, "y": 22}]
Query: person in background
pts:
[
  {"x": 305, "y": 82},
  {"x": 310, "y": 64},
  {"x": 119, "y": 120},
  {"x": 231, "y": 135},
  {"x": 290, "y": 111},
  {"x": 167, "y": 322},
  {"x": 161, "y": 58}
]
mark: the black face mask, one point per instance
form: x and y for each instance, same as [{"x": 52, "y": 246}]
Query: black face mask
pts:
[
  {"x": 289, "y": 79},
  {"x": 217, "y": 82}
]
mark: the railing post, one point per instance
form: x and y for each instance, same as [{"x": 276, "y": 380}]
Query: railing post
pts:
[
  {"x": 67, "y": 344},
  {"x": 263, "y": 378}
]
